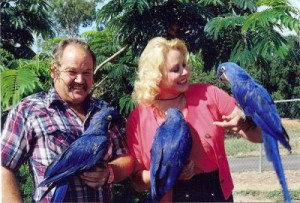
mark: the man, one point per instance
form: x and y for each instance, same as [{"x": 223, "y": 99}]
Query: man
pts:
[{"x": 42, "y": 125}]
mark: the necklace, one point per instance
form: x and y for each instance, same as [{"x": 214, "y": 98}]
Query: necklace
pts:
[
  {"x": 160, "y": 108},
  {"x": 169, "y": 98}
]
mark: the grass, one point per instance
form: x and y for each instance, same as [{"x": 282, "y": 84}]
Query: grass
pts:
[
  {"x": 274, "y": 195},
  {"x": 237, "y": 146}
]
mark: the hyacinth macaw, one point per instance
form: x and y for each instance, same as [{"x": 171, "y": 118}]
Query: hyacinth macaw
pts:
[
  {"x": 169, "y": 153},
  {"x": 81, "y": 155},
  {"x": 259, "y": 105}
]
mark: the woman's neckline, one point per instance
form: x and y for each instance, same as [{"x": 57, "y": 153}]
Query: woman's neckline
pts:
[{"x": 167, "y": 99}]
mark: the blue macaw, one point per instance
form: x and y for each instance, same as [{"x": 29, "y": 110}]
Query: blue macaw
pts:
[
  {"x": 258, "y": 104},
  {"x": 169, "y": 153},
  {"x": 82, "y": 154}
]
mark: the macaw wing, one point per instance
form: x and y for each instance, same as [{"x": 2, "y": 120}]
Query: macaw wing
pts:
[
  {"x": 178, "y": 146},
  {"x": 174, "y": 150},
  {"x": 260, "y": 106},
  {"x": 82, "y": 154},
  {"x": 155, "y": 162},
  {"x": 239, "y": 93}
]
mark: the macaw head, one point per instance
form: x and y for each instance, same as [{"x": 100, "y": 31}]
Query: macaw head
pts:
[
  {"x": 174, "y": 114},
  {"x": 230, "y": 72},
  {"x": 102, "y": 119}
]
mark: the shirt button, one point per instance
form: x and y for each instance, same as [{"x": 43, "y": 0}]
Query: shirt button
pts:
[
  {"x": 219, "y": 157},
  {"x": 222, "y": 181},
  {"x": 207, "y": 136}
]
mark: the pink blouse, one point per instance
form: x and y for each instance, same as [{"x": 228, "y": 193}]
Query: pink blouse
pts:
[{"x": 205, "y": 104}]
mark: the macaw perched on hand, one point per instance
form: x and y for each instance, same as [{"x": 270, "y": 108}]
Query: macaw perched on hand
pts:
[
  {"x": 169, "y": 153},
  {"x": 259, "y": 105},
  {"x": 82, "y": 154}
]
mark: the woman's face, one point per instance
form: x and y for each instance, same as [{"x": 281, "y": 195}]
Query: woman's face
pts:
[{"x": 175, "y": 75}]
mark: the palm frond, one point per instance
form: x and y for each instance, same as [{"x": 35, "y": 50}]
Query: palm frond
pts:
[
  {"x": 243, "y": 54},
  {"x": 212, "y": 2},
  {"x": 245, "y": 5},
  {"x": 278, "y": 14},
  {"x": 126, "y": 104},
  {"x": 268, "y": 42},
  {"x": 15, "y": 84},
  {"x": 216, "y": 27}
]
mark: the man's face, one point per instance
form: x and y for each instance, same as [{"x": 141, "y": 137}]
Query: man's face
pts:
[{"x": 73, "y": 79}]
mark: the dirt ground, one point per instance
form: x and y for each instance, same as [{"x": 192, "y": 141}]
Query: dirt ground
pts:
[
  {"x": 267, "y": 180},
  {"x": 293, "y": 124},
  {"x": 264, "y": 181}
]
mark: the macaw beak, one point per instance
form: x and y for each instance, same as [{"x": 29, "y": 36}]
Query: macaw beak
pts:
[
  {"x": 223, "y": 77},
  {"x": 220, "y": 75}
]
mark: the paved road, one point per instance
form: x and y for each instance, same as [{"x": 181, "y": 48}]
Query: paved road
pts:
[{"x": 290, "y": 162}]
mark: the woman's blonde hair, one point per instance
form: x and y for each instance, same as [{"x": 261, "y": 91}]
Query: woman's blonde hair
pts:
[{"x": 151, "y": 68}]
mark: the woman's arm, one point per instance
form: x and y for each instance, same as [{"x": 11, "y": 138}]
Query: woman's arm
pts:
[
  {"x": 140, "y": 178},
  {"x": 237, "y": 123}
]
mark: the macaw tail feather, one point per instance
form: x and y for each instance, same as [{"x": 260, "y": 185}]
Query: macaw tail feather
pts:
[
  {"x": 272, "y": 153},
  {"x": 152, "y": 199},
  {"x": 60, "y": 192},
  {"x": 287, "y": 138}
]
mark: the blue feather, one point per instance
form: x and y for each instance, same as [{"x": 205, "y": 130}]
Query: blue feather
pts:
[
  {"x": 169, "y": 153},
  {"x": 259, "y": 105},
  {"x": 81, "y": 155}
]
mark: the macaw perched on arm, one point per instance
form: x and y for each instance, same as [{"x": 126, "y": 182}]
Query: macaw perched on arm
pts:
[
  {"x": 81, "y": 155},
  {"x": 169, "y": 153},
  {"x": 259, "y": 105}
]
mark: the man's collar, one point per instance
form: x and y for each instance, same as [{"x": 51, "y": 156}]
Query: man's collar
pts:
[{"x": 55, "y": 99}]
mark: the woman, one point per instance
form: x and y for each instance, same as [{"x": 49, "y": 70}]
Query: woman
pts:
[{"x": 163, "y": 82}]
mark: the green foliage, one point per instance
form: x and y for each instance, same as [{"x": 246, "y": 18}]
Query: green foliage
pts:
[
  {"x": 19, "y": 21},
  {"x": 21, "y": 77},
  {"x": 136, "y": 22},
  {"x": 47, "y": 45},
  {"x": 124, "y": 192},
  {"x": 274, "y": 195},
  {"x": 198, "y": 74},
  {"x": 25, "y": 183},
  {"x": 69, "y": 15},
  {"x": 114, "y": 77},
  {"x": 126, "y": 104},
  {"x": 222, "y": 30},
  {"x": 16, "y": 84},
  {"x": 253, "y": 33},
  {"x": 218, "y": 25}
]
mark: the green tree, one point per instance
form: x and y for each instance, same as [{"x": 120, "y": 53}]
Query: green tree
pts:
[
  {"x": 20, "y": 21},
  {"x": 115, "y": 73},
  {"x": 69, "y": 15},
  {"x": 253, "y": 37},
  {"x": 221, "y": 29},
  {"x": 22, "y": 77}
]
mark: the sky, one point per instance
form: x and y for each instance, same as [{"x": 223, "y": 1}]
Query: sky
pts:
[{"x": 295, "y": 3}]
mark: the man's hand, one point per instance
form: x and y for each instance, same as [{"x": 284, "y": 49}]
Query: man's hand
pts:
[{"x": 96, "y": 177}]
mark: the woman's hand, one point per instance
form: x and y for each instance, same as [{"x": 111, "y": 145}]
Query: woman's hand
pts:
[
  {"x": 95, "y": 178},
  {"x": 233, "y": 122},
  {"x": 236, "y": 123},
  {"x": 188, "y": 171}
]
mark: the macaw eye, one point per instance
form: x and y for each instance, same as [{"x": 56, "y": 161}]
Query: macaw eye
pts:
[{"x": 223, "y": 68}]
